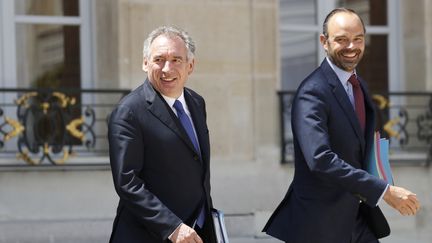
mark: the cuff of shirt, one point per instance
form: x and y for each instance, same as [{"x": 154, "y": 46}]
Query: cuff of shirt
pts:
[
  {"x": 170, "y": 236},
  {"x": 382, "y": 195}
]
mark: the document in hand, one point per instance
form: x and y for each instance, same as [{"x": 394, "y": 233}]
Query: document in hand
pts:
[
  {"x": 219, "y": 226},
  {"x": 378, "y": 163}
]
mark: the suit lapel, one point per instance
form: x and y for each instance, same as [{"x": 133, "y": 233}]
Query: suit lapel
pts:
[
  {"x": 343, "y": 100},
  {"x": 370, "y": 117},
  {"x": 199, "y": 120},
  {"x": 161, "y": 110}
]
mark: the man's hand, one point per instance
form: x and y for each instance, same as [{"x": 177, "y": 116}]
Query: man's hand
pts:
[
  {"x": 402, "y": 200},
  {"x": 185, "y": 234}
]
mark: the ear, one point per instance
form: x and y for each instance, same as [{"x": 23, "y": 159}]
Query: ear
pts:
[
  {"x": 324, "y": 42},
  {"x": 145, "y": 64},
  {"x": 191, "y": 66}
]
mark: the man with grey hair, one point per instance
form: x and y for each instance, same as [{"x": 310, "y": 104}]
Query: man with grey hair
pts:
[{"x": 160, "y": 150}]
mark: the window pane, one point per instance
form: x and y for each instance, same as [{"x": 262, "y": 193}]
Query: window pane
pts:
[
  {"x": 373, "y": 12},
  {"x": 47, "y": 7},
  {"x": 374, "y": 65},
  {"x": 297, "y": 12},
  {"x": 48, "y": 56},
  {"x": 299, "y": 55}
]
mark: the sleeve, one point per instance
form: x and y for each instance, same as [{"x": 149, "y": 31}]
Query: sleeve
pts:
[
  {"x": 310, "y": 116},
  {"x": 126, "y": 151}
]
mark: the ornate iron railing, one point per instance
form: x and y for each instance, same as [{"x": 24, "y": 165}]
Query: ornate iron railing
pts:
[
  {"x": 54, "y": 127},
  {"x": 403, "y": 117}
]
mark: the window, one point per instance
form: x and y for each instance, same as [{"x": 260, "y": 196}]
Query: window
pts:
[
  {"x": 301, "y": 52},
  {"x": 46, "y": 43},
  {"x": 298, "y": 40}
]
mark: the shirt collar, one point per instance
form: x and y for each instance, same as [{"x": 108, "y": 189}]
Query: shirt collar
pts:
[
  {"x": 341, "y": 74},
  {"x": 170, "y": 101}
]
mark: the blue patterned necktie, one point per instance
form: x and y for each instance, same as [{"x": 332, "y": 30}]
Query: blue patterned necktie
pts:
[{"x": 187, "y": 125}]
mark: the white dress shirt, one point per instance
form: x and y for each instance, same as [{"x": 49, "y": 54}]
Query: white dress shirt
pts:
[
  {"x": 343, "y": 78},
  {"x": 170, "y": 101}
]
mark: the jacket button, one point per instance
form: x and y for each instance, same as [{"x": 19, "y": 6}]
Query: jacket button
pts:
[{"x": 196, "y": 157}]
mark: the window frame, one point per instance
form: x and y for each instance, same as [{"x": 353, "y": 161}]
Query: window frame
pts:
[
  {"x": 8, "y": 58},
  {"x": 396, "y": 69}
]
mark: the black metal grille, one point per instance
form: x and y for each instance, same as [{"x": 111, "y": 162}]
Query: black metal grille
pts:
[
  {"x": 44, "y": 126},
  {"x": 403, "y": 117}
]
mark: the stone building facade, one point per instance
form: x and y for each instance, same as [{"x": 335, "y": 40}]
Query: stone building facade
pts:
[{"x": 239, "y": 60}]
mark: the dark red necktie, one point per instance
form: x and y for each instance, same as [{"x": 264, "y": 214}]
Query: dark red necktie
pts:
[{"x": 358, "y": 101}]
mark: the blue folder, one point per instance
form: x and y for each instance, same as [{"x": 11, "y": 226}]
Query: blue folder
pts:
[{"x": 378, "y": 163}]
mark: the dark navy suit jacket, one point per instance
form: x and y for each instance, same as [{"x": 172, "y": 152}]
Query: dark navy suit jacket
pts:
[
  {"x": 160, "y": 178},
  {"x": 329, "y": 182}
]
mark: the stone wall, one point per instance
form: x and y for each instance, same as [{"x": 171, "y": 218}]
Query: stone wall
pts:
[
  {"x": 79, "y": 206},
  {"x": 428, "y": 36},
  {"x": 415, "y": 31},
  {"x": 236, "y": 66}
]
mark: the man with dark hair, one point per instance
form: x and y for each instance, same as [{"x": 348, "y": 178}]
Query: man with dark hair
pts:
[{"x": 332, "y": 199}]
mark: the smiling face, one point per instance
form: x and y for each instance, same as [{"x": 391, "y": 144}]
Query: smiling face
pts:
[
  {"x": 167, "y": 65},
  {"x": 345, "y": 42}
]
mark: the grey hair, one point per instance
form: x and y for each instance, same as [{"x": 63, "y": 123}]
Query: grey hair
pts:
[{"x": 170, "y": 31}]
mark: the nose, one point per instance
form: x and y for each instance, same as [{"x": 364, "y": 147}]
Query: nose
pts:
[{"x": 166, "y": 66}]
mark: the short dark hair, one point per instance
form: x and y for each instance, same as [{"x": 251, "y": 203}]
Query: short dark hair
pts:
[{"x": 335, "y": 11}]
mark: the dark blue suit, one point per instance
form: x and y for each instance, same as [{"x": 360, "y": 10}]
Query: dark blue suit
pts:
[
  {"x": 323, "y": 201},
  {"x": 158, "y": 175}
]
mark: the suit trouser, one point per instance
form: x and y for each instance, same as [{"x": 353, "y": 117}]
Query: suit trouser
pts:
[
  {"x": 206, "y": 233},
  {"x": 361, "y": 232}
]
